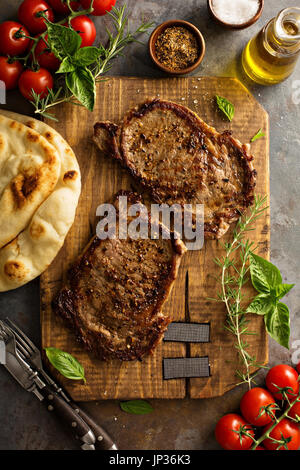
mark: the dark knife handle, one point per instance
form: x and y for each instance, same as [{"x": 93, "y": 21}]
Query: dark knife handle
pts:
[
  {"x": 103, "y": 440},
  {"x": 72, "y": 420}
]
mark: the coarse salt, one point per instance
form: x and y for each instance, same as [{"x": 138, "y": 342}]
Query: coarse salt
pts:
[{"x": 235, "y": 11}]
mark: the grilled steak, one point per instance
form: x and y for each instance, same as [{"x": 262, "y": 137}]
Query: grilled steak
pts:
[
  {"x": 116, "y": 290},
  {"x": 179, "y": 159}
]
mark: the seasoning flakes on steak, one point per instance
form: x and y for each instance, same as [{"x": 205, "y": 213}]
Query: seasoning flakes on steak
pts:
[
  {"x": 179, "y": 159},
  {"x": 116, "y": 290}
]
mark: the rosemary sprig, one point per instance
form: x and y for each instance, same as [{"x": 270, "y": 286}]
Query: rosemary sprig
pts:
[{"x": 233, "y": 277}]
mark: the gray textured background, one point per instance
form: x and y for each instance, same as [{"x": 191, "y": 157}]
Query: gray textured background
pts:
[{"x": 174, "y": 424}]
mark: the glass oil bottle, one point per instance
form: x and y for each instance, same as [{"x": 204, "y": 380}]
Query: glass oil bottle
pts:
[{"x": 270, "y": 57}]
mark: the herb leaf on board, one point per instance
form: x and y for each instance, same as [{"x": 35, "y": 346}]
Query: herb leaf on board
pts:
[
  {"x": 66, "y": 364},
  {"x": 277, "y": 323},
  {"x": 225, "y": 106},
  {"x": 264, "y": 275},
  {"x": 267, "y": 280},
  {"x": 258, "y": 135},
  {"x": 136, "y": 407}
]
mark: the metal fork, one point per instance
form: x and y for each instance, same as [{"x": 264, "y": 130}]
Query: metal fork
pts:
[{"x": 29, "y": 351}]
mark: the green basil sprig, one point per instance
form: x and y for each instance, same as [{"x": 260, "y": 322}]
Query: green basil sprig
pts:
[
  {"x": 65, "y": 44},
  {"x": 225, "y": 106},
  {"x": 66, "y": 364},
  {"x": 267, "y": 280},
  {"x": 136, "y": 407}
]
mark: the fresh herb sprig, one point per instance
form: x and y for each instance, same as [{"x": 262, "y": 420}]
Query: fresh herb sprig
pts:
[
  {"x": 232, "y": 279},
  {"x": 81, "y": 67},
  {"x": 266, "y": 279},
  {"x": 225, "y": 106},
  {"x": 136, "y": 407},
  {"x": 259, "y": 134},
  {"x": 66, "y": 364}
]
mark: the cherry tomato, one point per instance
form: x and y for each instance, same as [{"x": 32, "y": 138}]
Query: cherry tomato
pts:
[
  {"x": 101, "y": 7},
  {"x": 9, "y": 43},
  {"x": 298, "y": 368},
  {"x": 252, "y": 403},
  {"x": 282, "y": 375},
  {"x": 259, "y": 448},
  {"x": 61, "y": 6},
  {"x": 39, "y": 81},
  {"x": 227, "y": 438},
  {"x": 10, "y": 72},
  {"x": 45, "y": 58},
  {"x": 286, "y": 429},
  {"x": 86, "y": 29},
  {"x": 29, "y": 14},
  {"x": 295, "y": 410}
]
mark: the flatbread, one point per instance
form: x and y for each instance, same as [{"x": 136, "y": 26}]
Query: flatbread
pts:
[{"x": 36, "y": 245}]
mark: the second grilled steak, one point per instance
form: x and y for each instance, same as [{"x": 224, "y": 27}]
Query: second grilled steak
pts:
[
  {"x": 179, "y": 159},
  {"x": 115, "y": 293}
]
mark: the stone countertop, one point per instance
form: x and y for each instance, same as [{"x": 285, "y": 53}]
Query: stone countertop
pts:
[{"x": 174, "y": 424}]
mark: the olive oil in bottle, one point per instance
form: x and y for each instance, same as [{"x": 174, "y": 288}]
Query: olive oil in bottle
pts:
[{"x": 270, "y": 57}]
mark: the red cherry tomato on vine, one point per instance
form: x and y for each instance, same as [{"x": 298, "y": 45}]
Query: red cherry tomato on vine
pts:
[
  {"x": 45, "y": 58},
  {"x": 101, "y": 7},
  {"x": 29, "y": 14},
  {"x": 10, "y": 72},
  {"x": 252, "y": 403},
  {"x": 85, "y": 28},
  {"x": 295, "y": 410},
  {"x": 282, "y": 376},
  {"x": 230, "y": 440},
  {"x": 61, "y": 6},
  {"x": 10, "y": 43},
  {"x": 39, "y": 81},
  {"x": 285, "y": 429}
]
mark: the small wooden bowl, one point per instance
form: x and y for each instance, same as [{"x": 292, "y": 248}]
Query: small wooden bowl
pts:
[
  {"x": 236, "y": 26},
  {"x": 190, "y": 27}
]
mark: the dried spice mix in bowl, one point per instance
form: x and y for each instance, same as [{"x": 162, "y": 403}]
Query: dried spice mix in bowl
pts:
[{"x": 177, "y": 47}]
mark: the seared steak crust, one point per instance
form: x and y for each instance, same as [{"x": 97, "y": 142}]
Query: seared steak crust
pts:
[
  {"x": 179, "y": 159},
  {"x": 115, "y": 293}
]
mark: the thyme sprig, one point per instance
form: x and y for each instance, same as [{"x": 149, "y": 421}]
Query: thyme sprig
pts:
[{"x": 232, "y": 279}]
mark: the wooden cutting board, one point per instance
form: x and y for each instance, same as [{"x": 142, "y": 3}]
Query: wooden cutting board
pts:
[{"x": 101, "y": 178}]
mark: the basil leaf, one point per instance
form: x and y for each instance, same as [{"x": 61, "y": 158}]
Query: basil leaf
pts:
[
  {"x": 277, "y": 323},
  {"x": 86, "y": 56},
  {"x": 136, "y": 407},
  {"x": 282, "y": 289},
  {"x": 66, "y": 66},
  {"x": 261, "y": 304},
  {"x": 225, "y": 106},
  {"x": 258, "y": 135},
  {"x": 66, "y": 364},
  {"x": 62, "y": 41},
  {"x": 264, "y": 275},
  {"x": 81, "y": 83}
]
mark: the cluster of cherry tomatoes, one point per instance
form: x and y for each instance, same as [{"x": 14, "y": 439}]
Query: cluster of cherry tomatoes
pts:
[
  {"x": 255, "y": 418},
  {"x": 17, "y": 40}
]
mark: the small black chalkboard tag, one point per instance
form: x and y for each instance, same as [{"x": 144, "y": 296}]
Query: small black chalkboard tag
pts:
[
  {"x": 188, "y": 332},
  {"x": 186, "y": 367}
]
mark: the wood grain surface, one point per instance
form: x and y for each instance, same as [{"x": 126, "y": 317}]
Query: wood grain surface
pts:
[{"x": 101, "y": 178}]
